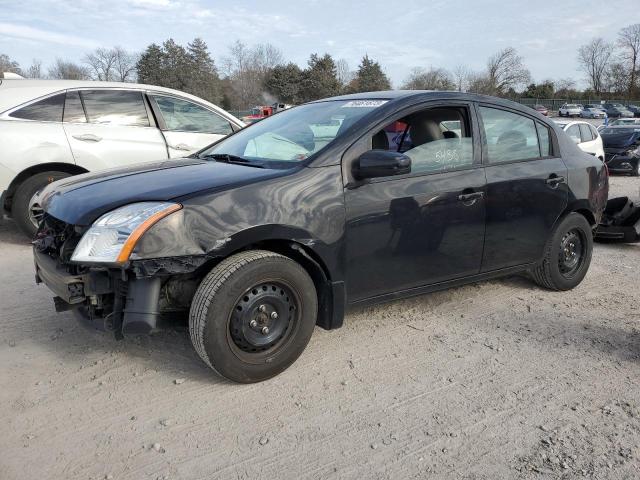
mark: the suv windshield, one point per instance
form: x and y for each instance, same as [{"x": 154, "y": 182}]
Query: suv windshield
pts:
[{"x": 293, "y": 135}]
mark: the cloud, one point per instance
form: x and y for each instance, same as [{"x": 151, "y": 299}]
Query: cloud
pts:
[{"x": 43, "y": 36}]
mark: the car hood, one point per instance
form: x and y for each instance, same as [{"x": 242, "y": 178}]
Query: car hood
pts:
[
  {"x": 618, "y": 140},
  {"x": 81, "y": 199}
]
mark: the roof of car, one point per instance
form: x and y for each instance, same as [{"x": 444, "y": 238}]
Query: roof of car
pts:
[
  {"x": 15, "y": 92},
  {"x": 394, "y": 95}
]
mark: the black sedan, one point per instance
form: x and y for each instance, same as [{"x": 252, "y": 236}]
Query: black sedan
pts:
[
  {"x": 352, "y": 200},
  {"x": 622, "y": 148}
]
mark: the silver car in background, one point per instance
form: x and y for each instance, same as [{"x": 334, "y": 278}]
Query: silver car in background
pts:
[{"x": 592, "y": 111}]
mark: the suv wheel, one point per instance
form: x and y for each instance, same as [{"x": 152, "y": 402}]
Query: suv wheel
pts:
[
  {"x": 26, "y": 209},
  {"x": 253, "y": 315},
  {"x": 567, "y": 254}
]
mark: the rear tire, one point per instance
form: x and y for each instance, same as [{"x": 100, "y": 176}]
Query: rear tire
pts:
[
  {"x": 253, "y": 315},
  {"x": 567, "y": 254},
  {"x": 24, "y": 213}
]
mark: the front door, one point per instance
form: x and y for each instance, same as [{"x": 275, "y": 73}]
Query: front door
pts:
[
  {"x": 526, "y": 187},
  {"x": 187, "y": 126},
  {"x": 425, "y": 227}
]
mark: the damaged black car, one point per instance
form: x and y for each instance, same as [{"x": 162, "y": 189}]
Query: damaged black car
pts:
[
  {"x": 347, "y": 201},
  {"x": 622, "y": 148}
]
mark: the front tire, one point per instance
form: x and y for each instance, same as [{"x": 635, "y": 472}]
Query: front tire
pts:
[
  {"x": 25, "y": 210},
  {"x": 567, "y": 254},
  {"x": 253, "y": 315}
]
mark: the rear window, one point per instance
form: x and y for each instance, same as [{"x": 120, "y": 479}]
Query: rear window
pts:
[
  {"x": 45, "y": 110},
  {"x": 115, "y": 107}
]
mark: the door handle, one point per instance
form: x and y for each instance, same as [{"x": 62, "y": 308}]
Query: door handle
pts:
[
  {"x": 181, "y": 146},
  {"x": 554, "y": 180},
  {"x": 87, "y": 137},
  {"x": 470, "y": 197}
]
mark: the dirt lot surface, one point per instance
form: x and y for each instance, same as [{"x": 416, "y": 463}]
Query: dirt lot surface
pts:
[{"x": 495, "y": 380}]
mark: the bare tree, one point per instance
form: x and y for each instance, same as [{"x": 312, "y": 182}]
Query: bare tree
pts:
[
  {"x": 594, "y": 58},
  {"x": 63, "y": 69},
  {"x": 34, "y": 70},
  {"x": 617, "y": 78},
  {"x": 101, "y": 63},
  {"x": 565, "y": 86},
  {"x": 344, "y": 74},
  {"x": 629, "y": 42},
  {"x": 432, "y": 79},
  {"x": 125, "y": 65},
  {"x": 8, "y": 65},
  {"x": 111, "y": 64},
  {"x": 461, "y": 76},
  {"x": 506, "y": 70},
  {"x": 247, "y": 68}
]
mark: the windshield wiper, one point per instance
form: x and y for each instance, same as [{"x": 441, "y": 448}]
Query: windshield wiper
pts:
[{"x": 235, "y": 159}]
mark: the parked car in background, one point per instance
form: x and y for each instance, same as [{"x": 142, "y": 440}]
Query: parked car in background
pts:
[
  {"x": 570, "y": 110},
  {"x": 51, "y": 129},
  {"x": 592, "y": 111},
  {"x": 634, "y": 109},
  {"x": 275, "y": 230},
  {"x": 541, "y": 109},
  {"x": 585, "y": 136},
  {"x": 622, "y": 148},
  {"x": 617, "y": 110}
]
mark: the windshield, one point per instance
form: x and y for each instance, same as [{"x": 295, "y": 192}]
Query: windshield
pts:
[{"x": 293, "y": 135}]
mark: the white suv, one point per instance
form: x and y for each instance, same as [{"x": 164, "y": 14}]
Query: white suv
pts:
[
  {"x": 585, "y": 136},
  {"x": 50, "y": 129}
]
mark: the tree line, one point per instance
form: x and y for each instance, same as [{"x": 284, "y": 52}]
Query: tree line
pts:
[{"x": 252, "y": 75}]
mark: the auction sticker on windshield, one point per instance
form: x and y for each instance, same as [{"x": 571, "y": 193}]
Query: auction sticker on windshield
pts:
[{"x": 364, "y": 103}]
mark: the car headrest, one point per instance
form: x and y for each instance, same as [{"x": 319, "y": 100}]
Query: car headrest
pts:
[
  {"x": 449, "y": 134},
  {"x": 425, "y": 130},
  {"x": 380, "y": 141}
]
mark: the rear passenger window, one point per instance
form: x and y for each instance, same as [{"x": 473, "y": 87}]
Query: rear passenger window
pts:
[
  {"x": 73, "y": 111},
  {"x": 574, "y": 133},
  {"x": 585, "y": 133},
  {"x": 544, "y": 137},
  {"x": 46, "y": 110},
  {"x": 115, "y": 107},
  {"x": 509, "y": 136}
]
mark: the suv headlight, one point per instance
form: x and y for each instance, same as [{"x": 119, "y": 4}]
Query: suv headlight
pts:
[{"x": 113, "y": 236}]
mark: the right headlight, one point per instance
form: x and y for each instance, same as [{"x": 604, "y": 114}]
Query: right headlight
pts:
[{"x": 112, "y": 237}]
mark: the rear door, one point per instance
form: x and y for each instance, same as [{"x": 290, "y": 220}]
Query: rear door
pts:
[
  {"x": 526, "y": 187},
  {"x": 111, "y": 127},
  {"x": 588, "y": 141},
  {"x": 187, "y": 126}
]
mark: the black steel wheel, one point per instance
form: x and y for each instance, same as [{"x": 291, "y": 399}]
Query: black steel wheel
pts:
[
  {"x": 572, "y": 253},
  {"x": 263, "y": 318},
  {"x": 567, "y": 254},
  {"x": 253, "y": 315}
]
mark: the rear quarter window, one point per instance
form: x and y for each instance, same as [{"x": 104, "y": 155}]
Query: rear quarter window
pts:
[{"x": 46, "y": 110}]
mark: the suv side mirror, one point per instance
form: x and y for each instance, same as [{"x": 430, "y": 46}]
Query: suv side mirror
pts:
[{"x": 381, "y": 163}]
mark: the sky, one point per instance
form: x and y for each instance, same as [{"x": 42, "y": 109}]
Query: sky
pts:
[{"x": 401, "y": 35}]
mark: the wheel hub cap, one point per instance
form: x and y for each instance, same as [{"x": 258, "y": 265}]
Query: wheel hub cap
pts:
[{"x": 571, "y": 253}]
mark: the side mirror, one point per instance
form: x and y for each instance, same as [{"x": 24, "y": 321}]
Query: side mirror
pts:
[{"x": 381, "y": 163}]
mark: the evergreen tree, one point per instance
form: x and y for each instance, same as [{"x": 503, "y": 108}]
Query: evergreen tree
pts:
[
  {"x": 149, "y": 66},
  {"x": 285, "y": 83},
  {"x": 369, "y": 77},
  {"x": 320, "y": 78}
]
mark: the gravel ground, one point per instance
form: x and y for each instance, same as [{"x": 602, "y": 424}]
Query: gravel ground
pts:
[{"x": 494, "y": 380}]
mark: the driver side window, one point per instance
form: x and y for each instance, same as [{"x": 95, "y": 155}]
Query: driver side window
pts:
[{"x": 436, "y": 139}]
